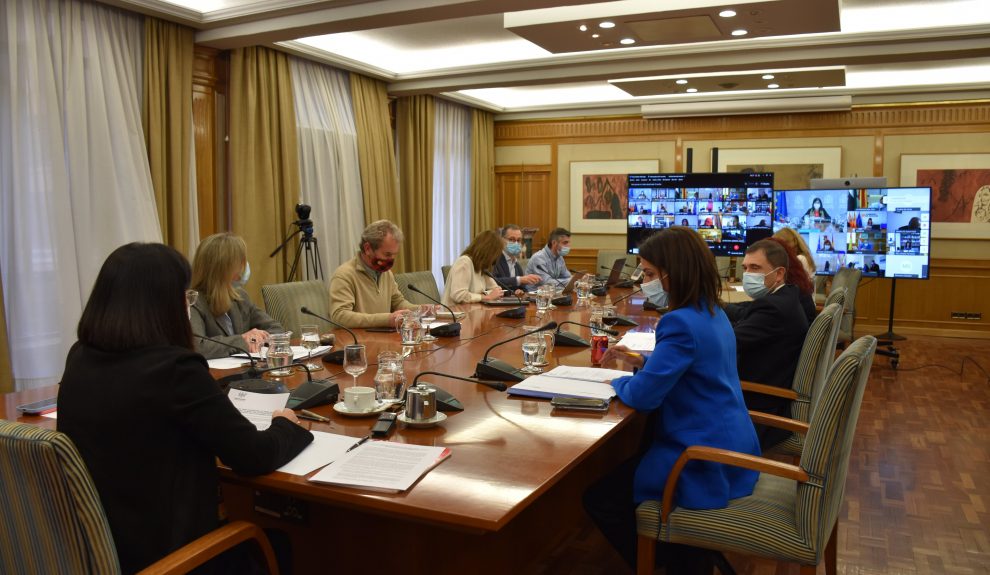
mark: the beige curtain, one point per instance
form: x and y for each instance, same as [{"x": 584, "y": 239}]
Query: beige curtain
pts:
[
  {"x": 482, "y": 171},
  {"x": 376, "y": 150},
  {"x": 415, "y": 129},
  {"x": 264, "y": 165},
  {"x": 6, "y": 373},
  {"x": 167, "y": 118}
]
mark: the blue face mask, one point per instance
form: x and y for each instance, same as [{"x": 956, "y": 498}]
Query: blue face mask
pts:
[
  {"x": 655, "y": 293},
  {"x": 564, "y": 250},
  {"x": 513, "y": 248},
  {"x": 754, "y": 284},
  {"x": 244, "y": 276}
]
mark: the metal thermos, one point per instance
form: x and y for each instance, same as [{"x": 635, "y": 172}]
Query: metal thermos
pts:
[{"x": 421, "y": 403}]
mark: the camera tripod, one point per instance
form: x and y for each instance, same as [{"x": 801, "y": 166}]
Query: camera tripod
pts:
[{"x": 307, "y": 243}]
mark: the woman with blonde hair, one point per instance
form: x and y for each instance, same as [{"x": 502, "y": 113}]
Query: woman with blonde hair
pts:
[
  {"x": 224, "y": 311},
  {"x": 465, "y": 281},
  {"x": 794, "y": 239}
]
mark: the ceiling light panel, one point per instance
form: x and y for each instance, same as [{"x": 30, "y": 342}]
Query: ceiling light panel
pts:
[
  {"x": 734, "y": 82},
  {"x": 681, "y": 22}
]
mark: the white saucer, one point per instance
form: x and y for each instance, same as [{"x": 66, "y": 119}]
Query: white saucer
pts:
[
  {"x": 438, "y": 418},
  {"x": 341, "y": 408}
]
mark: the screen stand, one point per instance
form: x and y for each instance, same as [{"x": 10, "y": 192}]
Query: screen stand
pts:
[{"x": 890, "y": 335}]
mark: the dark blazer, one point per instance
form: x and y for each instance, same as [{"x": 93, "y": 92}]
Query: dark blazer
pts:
[
  {"x": 149, "y": 424},
  {"x": 244, "y": 316},
  {"x": 691, "y": 378},
  {"x": 770, "y": 332},
  {"x": 503, "y": 276},
  {"x": 807, "y": 302}
]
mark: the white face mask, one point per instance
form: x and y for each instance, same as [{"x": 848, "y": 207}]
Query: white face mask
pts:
[
  {"x": 244, "y": 276},
  {"x": 655, "y": 293},
  {"x": 754, "y": 284}
]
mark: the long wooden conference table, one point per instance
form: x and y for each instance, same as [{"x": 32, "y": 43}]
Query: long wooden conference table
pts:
[{"x": 506, "y": 496}]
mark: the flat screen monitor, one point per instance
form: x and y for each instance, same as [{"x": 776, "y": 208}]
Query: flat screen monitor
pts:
[
  {"x": 729, "y": 210},
  {"x": 884, "y": 232}
]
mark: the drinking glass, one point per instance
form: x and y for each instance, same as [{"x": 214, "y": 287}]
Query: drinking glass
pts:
[
  {"x": 409, "y": 329},
  {"x": 531, "y": 350},
  {"x": 595, "y": 321},
  {"x": 546, "y": 347},
  {"x": 390, "y": 376},
  {"x": 610, "y": 318},
  {"x": 310, "y": 339},
  {"x": 355, "y": 360},
  {"x": 427, "y": 315},
  {"x": 280, "y": 354},
  {"x": 543, "y": 295}
]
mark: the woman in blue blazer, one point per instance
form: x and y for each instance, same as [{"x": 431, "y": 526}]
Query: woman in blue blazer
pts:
[{"x": 690, "y": 379}]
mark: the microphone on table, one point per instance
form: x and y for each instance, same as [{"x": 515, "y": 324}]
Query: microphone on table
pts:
[
  {"x": 452, "y": 329},
  {"x": 446, "y": 401},
  {"x": 623, "y": 320},
  {"x": 516, "y": 312},
  {"x": 336, "y": 357},
  {"x": 568, "y": 339},
  {"x": 249, "y": 380},
  {"x": 492, "y": 368}
]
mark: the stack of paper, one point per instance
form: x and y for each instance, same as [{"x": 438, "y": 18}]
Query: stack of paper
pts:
[
  {"x": 326, "y": 447},
  {"x": 641, "y": 341},
  {"x": 569, "y": 381},
  {"x": 382, "y": 466},
  {"x": 257, "y": 407}
]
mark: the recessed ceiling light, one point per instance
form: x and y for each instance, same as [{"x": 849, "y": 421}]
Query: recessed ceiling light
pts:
[
  {"x": 682, "y": 81},
  {"x": 727, "y": 13},
  {"x": 739, "y": 32},
  {"x": 627, "y": 41},
  {"x": 595, "y": 35},
  {"x": 692, "y": 90},
  {"x": 606, "y": 24},
  {"x": 583, "y": 28},
  {"x": 768, "y": 76},
  {"x": 772, "y": 86}
]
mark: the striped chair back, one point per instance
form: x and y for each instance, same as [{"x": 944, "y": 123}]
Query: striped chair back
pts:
[
  {"x": 829, "y": 442},
  {"x": 422, "y": 280},
  {"x": 847, "y": 278},
  {"x": 51, "y": 518},
  {"x": 282, "y": 302},
  {"x": 837, "y": 295},
  {"x": 817, "y": 354}
]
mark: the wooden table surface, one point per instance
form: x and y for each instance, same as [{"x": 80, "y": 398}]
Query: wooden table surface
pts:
[{"x": 507, "y": 452}]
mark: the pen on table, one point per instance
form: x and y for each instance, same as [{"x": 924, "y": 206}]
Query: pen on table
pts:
[
  {"x": 359, "y": 443},
  {"x": 307, "y": 414},
  {"x": 633, "y": 354}
]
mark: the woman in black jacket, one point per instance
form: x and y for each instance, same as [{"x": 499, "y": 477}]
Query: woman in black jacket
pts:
[{"x": 147, "y": 417}]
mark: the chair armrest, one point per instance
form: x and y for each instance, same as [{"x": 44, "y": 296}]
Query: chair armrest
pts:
[
  {"x": 698, "y": 452},
  {"x": 784, "y": 392},
  {"x": 198, "y": 552},
  {"x": 785, "y": 423}
]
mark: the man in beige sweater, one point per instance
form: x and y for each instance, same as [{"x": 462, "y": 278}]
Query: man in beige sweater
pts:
[{"x": 363, "y": 292}]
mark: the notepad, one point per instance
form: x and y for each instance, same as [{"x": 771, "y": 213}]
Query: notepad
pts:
[
  {"x": 641, "y": 341},
  {"x": 382, "y": 466},
  {"x": 547, "y": 386}
]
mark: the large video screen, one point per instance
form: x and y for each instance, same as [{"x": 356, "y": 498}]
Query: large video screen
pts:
[
  {"x": 884, "y": 232},
  {"x": 729, "y": 210}
]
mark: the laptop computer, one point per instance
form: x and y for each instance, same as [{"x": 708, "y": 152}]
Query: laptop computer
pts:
[
  {"x": 506, "y": 301},
  {"x": 615, "y": 276}
]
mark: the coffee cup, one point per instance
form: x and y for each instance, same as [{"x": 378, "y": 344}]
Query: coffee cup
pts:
[{"x": 359, "y": 399}]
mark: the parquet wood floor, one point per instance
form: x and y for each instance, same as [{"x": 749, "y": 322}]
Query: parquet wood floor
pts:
[{"x": 918, "y": 488}]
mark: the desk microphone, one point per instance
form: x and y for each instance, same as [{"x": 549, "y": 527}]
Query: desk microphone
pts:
[
  {"x": 492, "y": 368},
  {"x": 568, "y": 339},
  {"x": 336, "y": 357},
  {"x": 249, "y": 380},
  {"x": 452, "y": 329},
  {"x": 621, "y": 319},
  {"x": 446, "y": 401}
]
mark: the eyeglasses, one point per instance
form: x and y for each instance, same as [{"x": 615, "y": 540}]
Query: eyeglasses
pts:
[{"x": 191, "y": 297}]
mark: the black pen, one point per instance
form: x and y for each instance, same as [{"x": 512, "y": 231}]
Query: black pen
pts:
[{"x": 359, "y": 443}]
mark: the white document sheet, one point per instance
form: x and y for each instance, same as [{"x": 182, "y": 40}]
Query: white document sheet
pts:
[
  {"x": 227, "y": 362},
  {"x": 326, "y": 447},
  {"x": 257, "y": 407},
  {"x": 597, "y": 374},
  {"x": 382, "y": 466},
  {"x": 639, "y": 341},
  {"x": 548, "y": 386}
]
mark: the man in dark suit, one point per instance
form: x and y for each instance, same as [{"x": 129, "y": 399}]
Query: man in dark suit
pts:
[
  {"x": 507, "y": 271},
  {"x": 770, "y": 331}
]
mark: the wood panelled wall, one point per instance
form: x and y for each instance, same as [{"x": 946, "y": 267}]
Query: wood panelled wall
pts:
[
  {"x": 956, "y": 285},
  {"x": 210, "y": 139}
]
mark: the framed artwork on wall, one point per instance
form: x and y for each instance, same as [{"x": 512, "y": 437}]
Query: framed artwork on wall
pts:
[
  {"x": 960, "y": 186},
  {"x": 793, "y": 168},
  {"x": 599, "y": 194}
]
